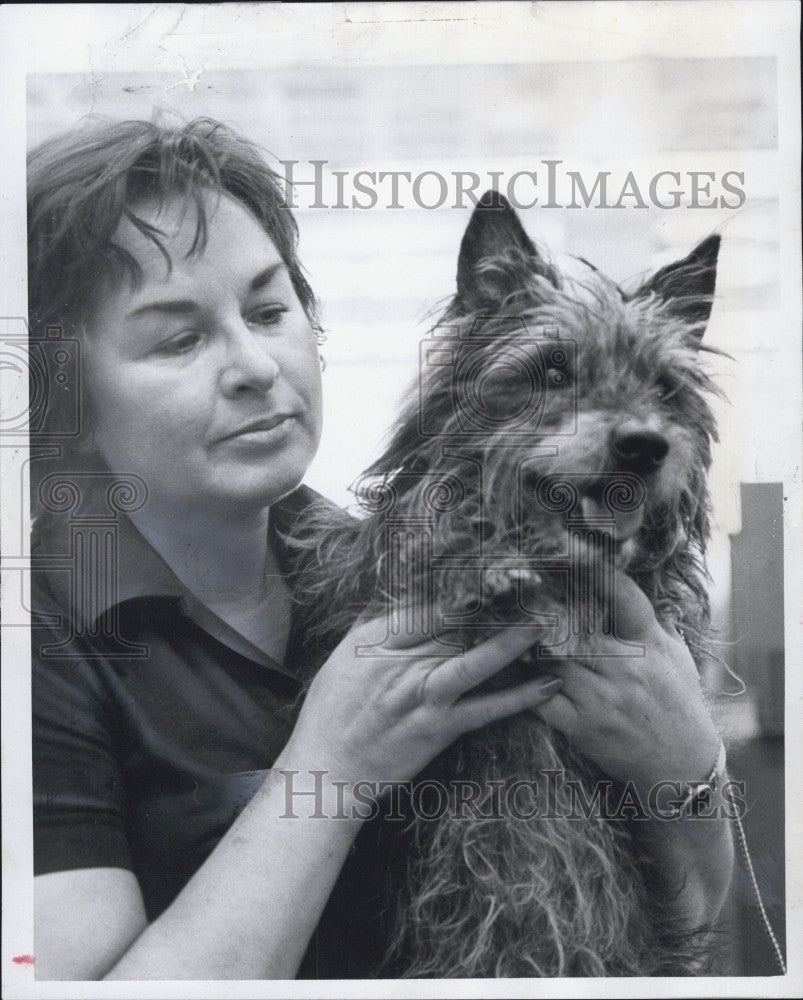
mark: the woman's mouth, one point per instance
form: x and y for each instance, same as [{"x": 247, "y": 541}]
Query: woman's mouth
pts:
[{"x": 267, "y": 431}]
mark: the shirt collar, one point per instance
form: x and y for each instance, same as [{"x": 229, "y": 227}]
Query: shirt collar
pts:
[{"x": 141, "y": 571}]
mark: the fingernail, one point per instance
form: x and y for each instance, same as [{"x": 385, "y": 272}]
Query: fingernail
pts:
[{"x": 550, "y": 685}]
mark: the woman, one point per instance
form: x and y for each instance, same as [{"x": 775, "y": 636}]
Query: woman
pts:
[{"x": 170, "y": 749}]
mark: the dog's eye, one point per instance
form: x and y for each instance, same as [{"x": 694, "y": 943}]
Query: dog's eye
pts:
[{"x": 666, "y": 389}]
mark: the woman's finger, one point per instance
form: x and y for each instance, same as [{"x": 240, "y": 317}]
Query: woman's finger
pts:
[
  {"x": 473, "y": 713},
  {"x": 386, "y": 633},
  {"x": 447, "y": 682},
  {"x": 561, "y": 713},
  {"x": 582, "y": 683},
  {"x": 608, "y": 658},
  {"x": 633, "y": 614}
]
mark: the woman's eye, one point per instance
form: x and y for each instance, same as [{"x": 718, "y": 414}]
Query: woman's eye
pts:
[
  {"x": 267, "y": 315},
  {"x": 183, "y": 344}
]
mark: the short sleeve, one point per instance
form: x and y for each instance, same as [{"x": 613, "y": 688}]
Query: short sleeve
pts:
[{"x": 78, "y": 789}]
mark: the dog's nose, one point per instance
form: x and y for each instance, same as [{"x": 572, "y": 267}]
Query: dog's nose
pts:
[{"x": 638, "y": 449}]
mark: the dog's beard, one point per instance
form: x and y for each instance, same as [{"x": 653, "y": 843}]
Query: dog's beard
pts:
[{"x": 505, "y": 896}]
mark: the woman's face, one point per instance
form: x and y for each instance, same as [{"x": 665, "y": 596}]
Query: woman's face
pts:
[{"x": 205, "y": 379}]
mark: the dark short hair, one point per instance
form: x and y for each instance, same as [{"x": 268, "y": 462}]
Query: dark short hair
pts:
[{"x": 83, "y": 183}]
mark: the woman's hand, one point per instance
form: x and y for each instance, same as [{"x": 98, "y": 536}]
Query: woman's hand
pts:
[
  {"x": 380, "y": 708},
  {"x": 643, "y": 719},
  {"x": 638, "y": 717}
]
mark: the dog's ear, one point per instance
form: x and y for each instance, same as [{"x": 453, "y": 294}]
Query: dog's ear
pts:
[
  {"x": 687, "y": 286},
  {"x": 494, "y": 251}
]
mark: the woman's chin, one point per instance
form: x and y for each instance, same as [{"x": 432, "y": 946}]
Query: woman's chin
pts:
[
  {"x": 266, "y": 489},
  {"x": 253, "y": 484}
]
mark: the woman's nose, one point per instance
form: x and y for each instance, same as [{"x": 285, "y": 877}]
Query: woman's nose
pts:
[{"x": 248, "y": 363}]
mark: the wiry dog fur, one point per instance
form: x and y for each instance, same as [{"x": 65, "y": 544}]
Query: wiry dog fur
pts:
[{"x": 546, "y": 897}]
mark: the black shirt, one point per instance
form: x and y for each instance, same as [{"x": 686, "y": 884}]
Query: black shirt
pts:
[{"x": 155, "y": 722}]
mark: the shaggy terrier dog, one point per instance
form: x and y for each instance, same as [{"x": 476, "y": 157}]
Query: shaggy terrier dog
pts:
[{"x": 559, "y": 430}]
